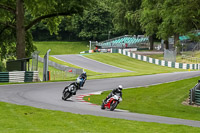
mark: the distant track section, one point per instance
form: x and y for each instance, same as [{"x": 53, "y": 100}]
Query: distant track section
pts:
[{"x": 90, "y": 64}]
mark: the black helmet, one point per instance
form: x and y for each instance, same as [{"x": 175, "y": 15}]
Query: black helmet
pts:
[{"x": 120, "y": 87}]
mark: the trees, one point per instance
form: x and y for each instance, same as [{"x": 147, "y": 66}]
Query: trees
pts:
[
  {"x": 20, "y": 15},
  {"x": 96, "y": 22},
  {"x": 126, "y": 17},
  {"x": 150, "y": 18},
  {"x": 154, "y": 17},
  {"x": 170, "y": 18}
]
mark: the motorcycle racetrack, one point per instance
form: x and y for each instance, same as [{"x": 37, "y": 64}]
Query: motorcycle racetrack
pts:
[
  {"x": 48, "y": 96},
  {"x": 89, "y": 64}
]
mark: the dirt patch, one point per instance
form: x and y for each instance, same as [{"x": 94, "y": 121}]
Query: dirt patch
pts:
[{"x": 186, "y": 102}]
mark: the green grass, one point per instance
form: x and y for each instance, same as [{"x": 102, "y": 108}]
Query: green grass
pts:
[
  {"x": 125, "y": 62},
  {"x": 122, "y": 61},
  {"x": 58, "y": 48},
  {"x": 192, "y": 60},
  {"x": 24, "y": 119},
  {"x": 56, "y": 74},
  {"x": 163, "y": 99},
  {"x": 89, "y": 72},
  {"x": 138, "y": 67}
]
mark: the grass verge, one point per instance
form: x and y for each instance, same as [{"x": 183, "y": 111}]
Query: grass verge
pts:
[
  {"x": 163, "y": 99},
  {"x": 24, "y": 119},
  {"x": 128, "y": 63},
  {"x": 59, "y": 47},
  {"x": 192, "y": 57},
  {"x": 125, "y": 62}
]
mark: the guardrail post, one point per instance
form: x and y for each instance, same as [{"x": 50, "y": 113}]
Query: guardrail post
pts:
[{"x": 45, "y": 70}]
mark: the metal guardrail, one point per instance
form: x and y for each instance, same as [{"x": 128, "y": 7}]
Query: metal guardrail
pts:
[
  {"x": 19, "y": 76},
  {"x": 194, "y": 94},
  {"x": 197, "y": 97},
  {"x": 4, "y": 77}
]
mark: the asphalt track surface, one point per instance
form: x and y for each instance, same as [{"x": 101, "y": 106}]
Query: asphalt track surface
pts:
[
  {"x": 48, "y": 96},
  {"x": 89, "y": 64}
]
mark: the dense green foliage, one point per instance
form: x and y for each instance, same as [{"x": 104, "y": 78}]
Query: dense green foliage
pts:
[
  {"x": 92, "y": 20},
  {"x": 18, "y": 17},
  {"x": 2, "y": 67},
  {"x": 169, "y": 18},
  {"x": 163, "y": 99},
  {"x": 93, "y": 24},
  {"x": 126, "y": 17}
]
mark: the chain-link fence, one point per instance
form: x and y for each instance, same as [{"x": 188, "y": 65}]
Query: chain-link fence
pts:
[
  {"x": 35, "y": 56},
  {"x": 170, "y": 55},
  {"x": 64, "y": 73}
]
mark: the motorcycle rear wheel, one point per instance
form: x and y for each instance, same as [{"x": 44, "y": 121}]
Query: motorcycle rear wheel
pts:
[{"x": 113, "y": 105}]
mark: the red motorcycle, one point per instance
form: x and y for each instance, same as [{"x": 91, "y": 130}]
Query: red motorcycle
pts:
[{"x": 112, "y": 102}]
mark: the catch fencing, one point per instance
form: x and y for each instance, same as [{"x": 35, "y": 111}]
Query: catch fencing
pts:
[
  {"x": 65, "y": 73},
  {"x": 170, "y": 55}
]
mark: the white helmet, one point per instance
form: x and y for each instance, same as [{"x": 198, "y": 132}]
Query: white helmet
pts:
[{"x": 120, "y": 87}]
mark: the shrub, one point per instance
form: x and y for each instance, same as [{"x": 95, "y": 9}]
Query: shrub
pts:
[{"x": 2, "y": 67}]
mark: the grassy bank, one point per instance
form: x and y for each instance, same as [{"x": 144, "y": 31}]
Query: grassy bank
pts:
[
  {"x": 137, "y": 67},
  {"x": 188, "y": 57},
  {"x": 58, "y": 48},
  {"x": 164, "y": 99},
  {"x": 24, "y": 119}
]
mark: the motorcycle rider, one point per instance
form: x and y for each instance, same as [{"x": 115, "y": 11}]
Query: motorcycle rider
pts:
[
  {"x": 114, "y": 92},
  {"x": 83, "y": 78}
]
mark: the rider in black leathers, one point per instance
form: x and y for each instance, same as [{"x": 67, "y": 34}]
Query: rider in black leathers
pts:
[{"x": 114, "y": 92}]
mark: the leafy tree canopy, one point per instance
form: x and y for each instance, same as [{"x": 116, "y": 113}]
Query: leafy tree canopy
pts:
[{"x": 20, "y": 15}]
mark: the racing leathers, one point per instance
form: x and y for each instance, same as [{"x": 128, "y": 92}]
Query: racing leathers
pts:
[{"x": 114, "y": 92}]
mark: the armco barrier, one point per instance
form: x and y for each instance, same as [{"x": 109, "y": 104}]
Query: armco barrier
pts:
[
  {"x": 4, "y": 77},
  {"x": 19, "y": 76},
  {"x": 16, "y": 76},
  {"x": 28, "y": 77},
  {"x": 197, "y": 97},
  {"x": 194, "y": 94},
  {"x": 159, "y": 62}
]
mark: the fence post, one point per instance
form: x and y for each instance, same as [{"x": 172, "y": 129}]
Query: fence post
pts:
[{"x": 45, "y": 70}]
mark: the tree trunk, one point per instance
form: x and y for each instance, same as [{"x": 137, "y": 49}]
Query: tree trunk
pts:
[
  {"x": 151, "y": 42},
  {"x": 20, "y": 30},
  {"x": 176, "y": 38},
  {"x": 166, "y": 42}
]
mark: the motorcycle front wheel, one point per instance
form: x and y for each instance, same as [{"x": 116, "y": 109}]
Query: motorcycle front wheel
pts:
[
  {"x": 66, "y": 95},
  {"x": 102, "y": 105},
  {"x": 113, "y": 105}
]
